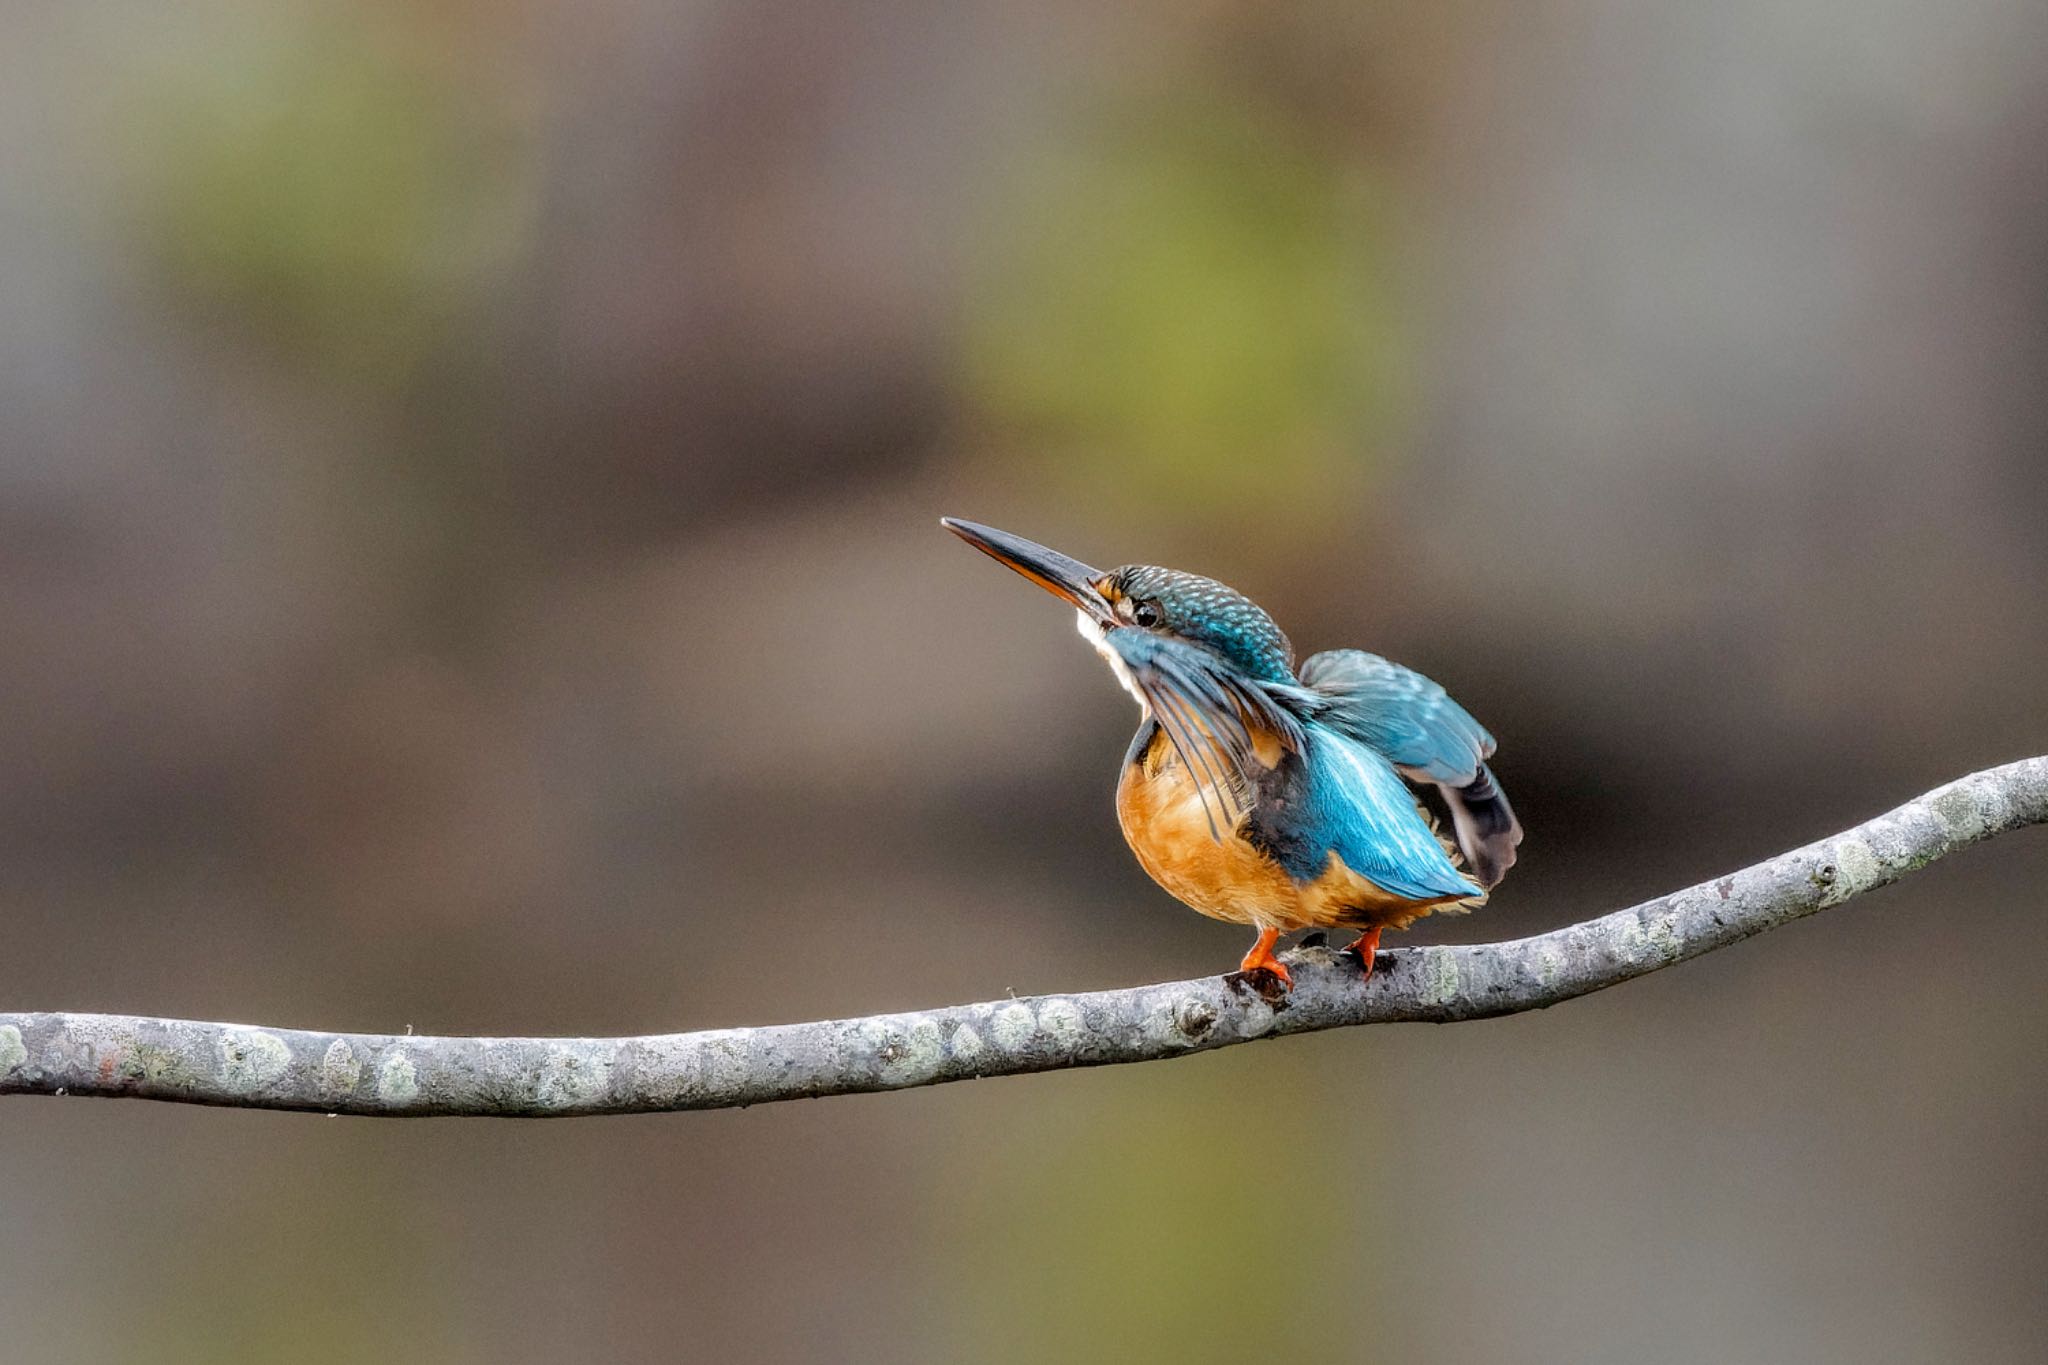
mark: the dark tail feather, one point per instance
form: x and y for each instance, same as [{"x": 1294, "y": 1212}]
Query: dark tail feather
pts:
[{"x": 1486, "y": 826}]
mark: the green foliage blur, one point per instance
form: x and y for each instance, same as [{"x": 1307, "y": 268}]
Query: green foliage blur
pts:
[
  {"x": 1116, "y": 1227},
  {"x": 347, "y": 196},
  {"x": 1187, "y": 293}
]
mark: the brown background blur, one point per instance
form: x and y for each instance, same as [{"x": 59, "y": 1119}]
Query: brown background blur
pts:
[{"x": 468, "y": 561}]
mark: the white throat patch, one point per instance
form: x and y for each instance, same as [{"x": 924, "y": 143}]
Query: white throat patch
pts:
[{"x": 1092, "y": 632}]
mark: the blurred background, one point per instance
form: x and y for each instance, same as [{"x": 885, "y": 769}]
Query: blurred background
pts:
[{"x": 468, "y": 562}]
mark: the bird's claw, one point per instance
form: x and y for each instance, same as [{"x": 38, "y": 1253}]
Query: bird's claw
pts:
[
  {"x": 1364, "y": 951},
  {"x": 1261, "y": 971}
]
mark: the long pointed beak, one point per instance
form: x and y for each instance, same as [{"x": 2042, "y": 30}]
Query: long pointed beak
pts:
[{"x": 1049, "y": 569}]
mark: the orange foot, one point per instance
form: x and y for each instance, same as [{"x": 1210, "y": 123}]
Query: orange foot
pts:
[
  {"x": 1261, "y": 960},
  {"x": 1367, "y": 948}
]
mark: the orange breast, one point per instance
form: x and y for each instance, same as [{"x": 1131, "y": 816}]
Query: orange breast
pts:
[{"x": 1163, "y": 821}]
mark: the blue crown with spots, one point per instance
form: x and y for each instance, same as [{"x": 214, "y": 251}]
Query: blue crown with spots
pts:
[{"x": 1208, "y": 613}]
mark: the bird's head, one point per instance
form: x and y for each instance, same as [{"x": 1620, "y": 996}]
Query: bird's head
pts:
[{"x": 1166, "y": 602}]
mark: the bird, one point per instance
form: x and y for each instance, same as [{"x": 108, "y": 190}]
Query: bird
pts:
[{"x": 1268, "y": 795}]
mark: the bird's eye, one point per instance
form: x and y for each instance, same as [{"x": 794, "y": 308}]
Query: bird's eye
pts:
[{"x": 1145, "y": 614}]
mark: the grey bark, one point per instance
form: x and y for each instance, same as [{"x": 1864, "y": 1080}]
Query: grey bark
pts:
[{"x": 380, "y": 1074}]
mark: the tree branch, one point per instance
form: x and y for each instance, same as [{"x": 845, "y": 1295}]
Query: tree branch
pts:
[{"x": 381, "y": 1074}]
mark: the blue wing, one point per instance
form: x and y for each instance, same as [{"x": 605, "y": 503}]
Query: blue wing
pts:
[
  {"x": 1357, "y": 806},
  {"x": 1413, "y": 722},
  {"x": 1399, "y": 712}
]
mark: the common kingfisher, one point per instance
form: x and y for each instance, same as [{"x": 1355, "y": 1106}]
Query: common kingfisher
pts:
[{"x": 1267, "y": 796}]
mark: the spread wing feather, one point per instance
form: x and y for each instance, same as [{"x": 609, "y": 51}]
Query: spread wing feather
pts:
[
  {"x": 1212, "y": 717},
  {"x": 1370, "y": 819},
  {"x": 1428, "y": 738}
]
